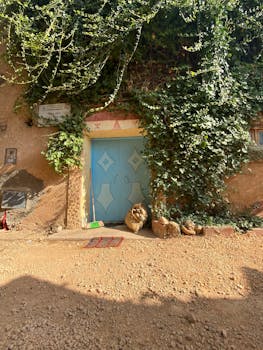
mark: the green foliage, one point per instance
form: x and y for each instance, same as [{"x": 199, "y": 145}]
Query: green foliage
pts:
[
  {"x": 62, "y": 47},
  {"x": 193, "y": 143},
  {"x": 241, "y": 222},
  {"x": 196, "y": 110},
  {"x": 197, "y": 123},
  {"x": 64, "y": 148}
]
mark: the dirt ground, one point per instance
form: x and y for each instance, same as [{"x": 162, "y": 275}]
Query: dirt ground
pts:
[{"x": 184, "y": 293}]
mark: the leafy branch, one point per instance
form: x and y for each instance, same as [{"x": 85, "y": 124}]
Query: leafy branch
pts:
[{"x": 65, "y": 146}]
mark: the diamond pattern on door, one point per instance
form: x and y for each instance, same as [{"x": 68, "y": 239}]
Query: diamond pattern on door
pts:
[
  {"x": 136, "y": 194},
  {"x": 120, "y": 177},
  {"x": 135, "y": 160},
  {"x": 105, "y": 161},
  {"x": 105, "y": 197}
]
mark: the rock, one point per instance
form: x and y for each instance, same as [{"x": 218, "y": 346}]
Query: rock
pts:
[
  {"x": 163, "y": 221},
  {"x": 223, "y": 333},
  {"x": 164, "y": 228},
  {"x": 188, "y": 337},
  {"x": 186, "y": 231},
  {"x": 180, "y": 339},
  {"x": 226, "y": 231},
  {"x": 190, "y": 318},
  {"x": 54, "y": 228},
  {"x": 159, "y": 229},
  {"x": 187, "y": 347},
  {"x": 199, "y": 230},
  {"x": 172, "y": 344},
  {"x": 188, "y": 227},
  {"x": 198, "y": 293},
  {"x": 173, "y": 229},
  {"x": 59, "y": 228}
]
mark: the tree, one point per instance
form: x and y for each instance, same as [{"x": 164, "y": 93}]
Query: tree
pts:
[
  {"x": 62, "y": 47},
  {"x": 197, "y": 121},
  {"x": 198, "y": 110}
]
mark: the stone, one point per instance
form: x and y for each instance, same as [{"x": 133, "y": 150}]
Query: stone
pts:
[
  {"x": 188, "y": 228},
  {"x": 199, "y": 230},
  {"x": 159, "y": 229},
  {"x": 54, "y": 228},
  {"x": 163, "y": 228},
  {"x": 163, "y": 220},
  {"x": 188, "y": 337},
  {"x": 223, "y": 333},
  {"x": 173, "y": 229},
  {"x": 219, "y": 230},
  {"x": 59, "y": 228},
  {"x": 198, "y": 293},
  {"x": 190, "y": 318}
]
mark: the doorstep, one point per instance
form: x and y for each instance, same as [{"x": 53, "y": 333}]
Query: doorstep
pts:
[{"x": 116, "y": 231}]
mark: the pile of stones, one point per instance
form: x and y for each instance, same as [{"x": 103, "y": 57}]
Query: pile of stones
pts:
[{"x": 163, "y": 228}]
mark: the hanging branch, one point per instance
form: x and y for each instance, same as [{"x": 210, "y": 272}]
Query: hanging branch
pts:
[
  {"x": 63, "y": 47},
  {"x": 120, "y": 76}
]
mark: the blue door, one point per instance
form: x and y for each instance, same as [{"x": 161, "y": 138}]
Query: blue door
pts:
[{"x": 120, "y": 177}]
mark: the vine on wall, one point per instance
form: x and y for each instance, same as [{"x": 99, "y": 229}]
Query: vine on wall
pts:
[
  {"x": 63, "y": 47},
  {"x": 197, "y": 124},
  {"x": 65, "y": 146},
  {"x": 196, "y": 115}
]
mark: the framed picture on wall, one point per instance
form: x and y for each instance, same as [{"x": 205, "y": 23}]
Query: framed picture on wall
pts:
[{"x": 10, "y": 155}]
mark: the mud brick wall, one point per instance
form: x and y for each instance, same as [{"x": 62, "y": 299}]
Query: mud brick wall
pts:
[
  {"x": 74, "y": 200},
  {"x": 245, "y": 190},
  {"x": 17, "y": 132}
]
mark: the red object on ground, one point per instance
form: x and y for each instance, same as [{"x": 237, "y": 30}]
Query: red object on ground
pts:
[
  {"x": 3, "y": 222},
  {"x": 104, "y": 242}
]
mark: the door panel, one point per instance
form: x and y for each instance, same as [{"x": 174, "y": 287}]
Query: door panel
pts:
[{"x": 120, "y": 177}]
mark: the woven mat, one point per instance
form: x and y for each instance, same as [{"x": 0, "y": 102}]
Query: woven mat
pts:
[{"x": 104, "y": 242}]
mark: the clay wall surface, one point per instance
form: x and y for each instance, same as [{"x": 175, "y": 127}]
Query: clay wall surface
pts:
[
  {"x": 74, "y": 219},
  {"x": 29, "y": 140},
  {"x": 245, "y": 190},
  {"x": 48, "y": 204}
]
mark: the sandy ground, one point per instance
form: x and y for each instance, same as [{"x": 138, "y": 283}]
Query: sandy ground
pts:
[{"x": 183, "y": 293}]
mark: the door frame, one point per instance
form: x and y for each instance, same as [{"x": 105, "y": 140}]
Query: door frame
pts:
[
  {"x": 114, "y": 139},
  {"x": 86, "y": 161}
]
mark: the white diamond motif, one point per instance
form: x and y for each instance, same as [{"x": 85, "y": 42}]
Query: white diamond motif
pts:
[
  {"x": 105, "y": 197},
  {"x": 135, "y": 160},
  {"x": 136, "y": 195},
  {"x": 105, "y": 161}
]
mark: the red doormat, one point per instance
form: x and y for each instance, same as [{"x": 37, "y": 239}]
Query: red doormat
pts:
[{"x": 104, "y": 242}]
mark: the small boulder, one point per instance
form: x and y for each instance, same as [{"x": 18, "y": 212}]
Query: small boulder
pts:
[
  {"x": 188, "y": 227},
  {"x": 163, "y": 221},
  {"x": 159, "y": 229},
  {"x": 199, "y": 230},
  {"x": 173, "y": 229}
]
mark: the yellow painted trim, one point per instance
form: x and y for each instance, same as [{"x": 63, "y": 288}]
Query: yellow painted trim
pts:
[{"x": 115, "y": 133}]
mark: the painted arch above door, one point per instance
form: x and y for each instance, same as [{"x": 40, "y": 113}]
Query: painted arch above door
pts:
[{"x": 120, "y": 177}]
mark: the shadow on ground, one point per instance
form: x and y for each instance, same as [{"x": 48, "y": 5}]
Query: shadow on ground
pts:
[
  {"x": 36, "y": 314},
  {"x": 106, "y": 231}
]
